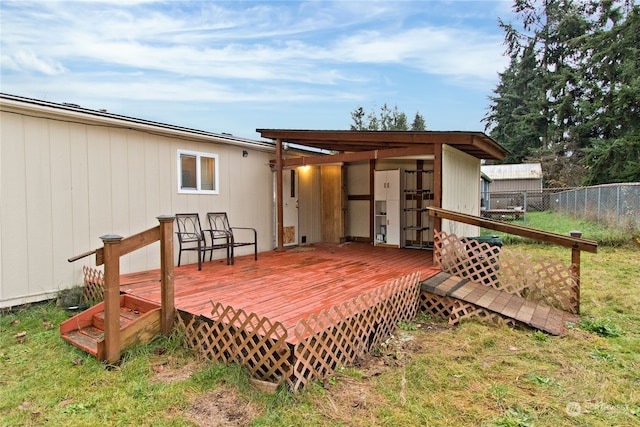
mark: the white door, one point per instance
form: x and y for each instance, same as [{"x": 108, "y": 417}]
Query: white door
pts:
[{"x": 290, "y": 207}]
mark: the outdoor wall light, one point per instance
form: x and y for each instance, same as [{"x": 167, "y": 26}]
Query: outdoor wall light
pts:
[{"x": 245, "y": 153}]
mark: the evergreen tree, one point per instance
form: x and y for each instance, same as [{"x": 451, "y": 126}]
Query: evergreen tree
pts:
[
  {"x": 570, "y": 95},
  {"x": 418, "y": 123},
  {"x": 357, "y": 116},
  {"x": 612, "y": 96},
  {"x": 386, "y": 119}
]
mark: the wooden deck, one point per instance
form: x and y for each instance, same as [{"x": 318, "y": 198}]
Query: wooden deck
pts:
[{"x": 284, "y": 286}]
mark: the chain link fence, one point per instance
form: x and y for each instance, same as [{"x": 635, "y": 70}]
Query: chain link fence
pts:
[{"x": 613, "y": 205}]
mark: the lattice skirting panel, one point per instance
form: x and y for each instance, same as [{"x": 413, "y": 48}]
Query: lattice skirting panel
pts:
[
  {"x": 93, "y": 291},
  {"x": 454, "y": 310},
  {"x": 336, "y": 337},
  {"x": 541, "y": 279},
  {"x": 235, "y": 336},
  {"x": 322, "y": 342}
]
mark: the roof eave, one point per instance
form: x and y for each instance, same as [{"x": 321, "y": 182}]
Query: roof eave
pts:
[
  {"x": 104, "y": 118},
  {"x": 476, "y": 144}
]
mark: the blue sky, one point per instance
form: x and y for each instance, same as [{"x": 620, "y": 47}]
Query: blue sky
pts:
[{"x": 237, "y": 66}]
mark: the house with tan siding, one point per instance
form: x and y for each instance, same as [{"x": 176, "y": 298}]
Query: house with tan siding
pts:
[{"x": 69, "y": 175}]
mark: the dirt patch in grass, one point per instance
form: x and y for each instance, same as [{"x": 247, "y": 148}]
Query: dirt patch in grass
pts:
[
  {"x": 222, "y": 407},
  {"x": 399, "y": 348},
  {"x": 351, "y": 396},
  {"x": 168, "y": 370}
]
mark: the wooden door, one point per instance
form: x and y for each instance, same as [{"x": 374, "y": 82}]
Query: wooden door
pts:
[{"x": 332, "y": 204}]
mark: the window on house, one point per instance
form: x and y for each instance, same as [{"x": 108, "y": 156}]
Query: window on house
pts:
[{"x": 197, "y": 172}]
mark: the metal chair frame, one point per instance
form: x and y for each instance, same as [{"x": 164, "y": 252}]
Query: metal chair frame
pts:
[
  {"x": 220, "y": 228},
  {"x": 191, "y": 237}
]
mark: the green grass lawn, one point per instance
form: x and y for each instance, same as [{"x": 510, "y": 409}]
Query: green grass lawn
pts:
[
  {"x": 563, "y": 224},
  {"x": 478, "y": 373}
]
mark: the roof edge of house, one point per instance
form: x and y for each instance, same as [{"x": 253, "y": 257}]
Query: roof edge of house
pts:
[{"x": 73, "y": 111}]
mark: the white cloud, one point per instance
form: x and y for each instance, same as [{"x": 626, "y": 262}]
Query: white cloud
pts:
[
  {"x": 25, "y": 61},
  {"x": 255, "y": 44},
  {"x": 253, "y": 53},
  {"x": 434, "y": 50}
]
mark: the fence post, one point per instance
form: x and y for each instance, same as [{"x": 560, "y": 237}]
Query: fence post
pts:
[
  {"x": 618, "y": 205},
  {"x": 575, "y": 267},
  {"x": 167, "y": 311},
  {"x": 111, "y": 297},
  {"x": 586, "y": 199},
  {"x": 599, "y": 200}
]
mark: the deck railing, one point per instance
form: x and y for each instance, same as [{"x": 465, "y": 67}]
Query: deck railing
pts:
[
  {"x": 546, "y": 282},
  {"x": 109, "y": 255}
]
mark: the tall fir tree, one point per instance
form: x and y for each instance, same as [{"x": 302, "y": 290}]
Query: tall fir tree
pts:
[
  {"x": 570, "y": 95},
  {"x": 612, "y": 103}
]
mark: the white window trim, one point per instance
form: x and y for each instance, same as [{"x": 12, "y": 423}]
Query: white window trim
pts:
[{"x": 198, "y": 189}]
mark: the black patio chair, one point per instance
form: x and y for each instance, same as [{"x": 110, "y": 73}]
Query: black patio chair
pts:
[
  {"x": 220, "y": 228},
  {"x": 191, "y": 237}
]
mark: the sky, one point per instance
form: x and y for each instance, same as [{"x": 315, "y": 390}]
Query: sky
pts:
[{"x": 235, "y": 66}]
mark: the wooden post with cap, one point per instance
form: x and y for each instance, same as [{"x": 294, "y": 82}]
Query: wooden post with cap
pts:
[
  {"x": 167, "y": 310},
  {"x": 111, "y": 297}
]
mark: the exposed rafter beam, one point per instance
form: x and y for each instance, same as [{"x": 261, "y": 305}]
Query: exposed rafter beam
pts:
[
  {"x": 476, "y": 144},
  {"x": 358, "y": 156}
]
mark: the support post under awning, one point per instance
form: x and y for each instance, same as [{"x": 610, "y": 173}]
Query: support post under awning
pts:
[{"x": 279, "y": 195}]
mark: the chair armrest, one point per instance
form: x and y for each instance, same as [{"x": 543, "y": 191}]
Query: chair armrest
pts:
[
  {"x": 255, "y": 233},
  {"x": 243, "y": 228}
]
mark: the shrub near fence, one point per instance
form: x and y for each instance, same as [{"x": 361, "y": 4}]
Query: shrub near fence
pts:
[{"x": 613, "y": 205}]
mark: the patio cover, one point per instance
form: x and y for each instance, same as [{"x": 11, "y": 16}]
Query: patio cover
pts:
[{"x": 344, "y": 146}]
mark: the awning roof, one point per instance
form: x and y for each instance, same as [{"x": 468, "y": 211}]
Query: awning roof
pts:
[{"x": 402, "y": 143}]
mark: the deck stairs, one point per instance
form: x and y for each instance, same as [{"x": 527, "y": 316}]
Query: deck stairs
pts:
[
  {"x": 531, "y": 313},
  {"x": 139, "y": 323}
]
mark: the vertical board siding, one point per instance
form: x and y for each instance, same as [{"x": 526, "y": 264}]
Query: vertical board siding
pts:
[
  {"x": 136, "y": 194},
  {"x": 80, "y": 231},
  {"x": 13, "y": 227},
  {"x": 61, "y": 201},
  {"x": 98, "y": 175},
  {"x": 309, "y": 213},
  {"x": 332, "y": 219},
  {"x": 358, "y": 218},
  {"x": 460, "y": 189},
  {"x": 119, "y": 187},
  {"x": 65, "y": 184},
  {"x": 358, "y": 178},
  {"x": 516, "y": 185},
  {"x": 37, "y": 172},
  {"x": 247, "y": 196}
]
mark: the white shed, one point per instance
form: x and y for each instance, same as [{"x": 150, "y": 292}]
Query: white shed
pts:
[
  {"x": 510, "y": 182},
  {"x": 514, "y": 177}
]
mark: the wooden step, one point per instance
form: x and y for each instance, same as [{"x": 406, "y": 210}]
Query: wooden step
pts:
[
  {"x": 86, "y": 339},
  {"x": 139, "y": 323}
]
